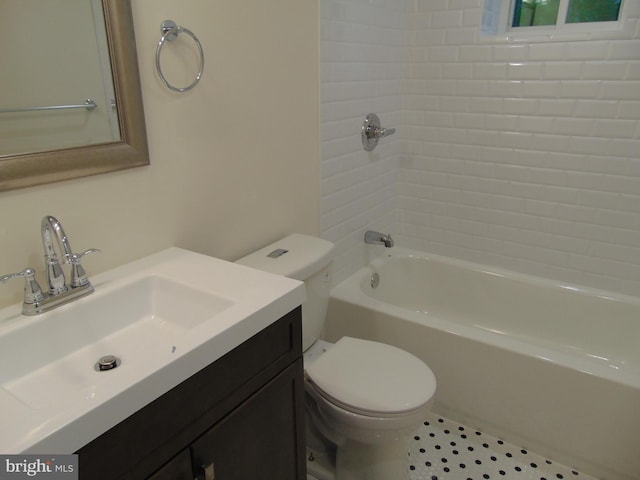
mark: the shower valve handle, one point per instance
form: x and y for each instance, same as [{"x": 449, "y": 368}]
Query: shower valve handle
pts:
[{"x": 372, "y": 132}]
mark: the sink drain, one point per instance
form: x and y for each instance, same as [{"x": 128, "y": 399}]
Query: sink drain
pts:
[{"x": 107, "y": 362}]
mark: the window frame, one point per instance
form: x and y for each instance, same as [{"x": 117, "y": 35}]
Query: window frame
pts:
[{"x": 501, "y": 26}]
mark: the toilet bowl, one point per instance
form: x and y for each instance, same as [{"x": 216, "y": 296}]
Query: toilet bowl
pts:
[
  {"x": 366, "y": 397},
  {"x": 362, "y": 397},
  {"x": 371, "y": 391}
]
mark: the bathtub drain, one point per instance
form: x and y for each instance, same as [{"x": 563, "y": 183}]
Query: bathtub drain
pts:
[{"x": 375, "y": 280}]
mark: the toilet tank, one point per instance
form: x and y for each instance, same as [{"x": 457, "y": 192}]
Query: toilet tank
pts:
[{"x": 304, "y": 258}]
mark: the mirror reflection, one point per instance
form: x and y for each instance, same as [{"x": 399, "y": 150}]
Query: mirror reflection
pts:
[
  {"x": 58, "y": 63},
  {"x": 80, "y": 49}
]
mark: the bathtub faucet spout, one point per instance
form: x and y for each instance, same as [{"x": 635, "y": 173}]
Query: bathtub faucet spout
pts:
[{"x": 377, "y": 238}]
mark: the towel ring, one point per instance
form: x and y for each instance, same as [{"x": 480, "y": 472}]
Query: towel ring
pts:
[{"x": 170, "y": 32}]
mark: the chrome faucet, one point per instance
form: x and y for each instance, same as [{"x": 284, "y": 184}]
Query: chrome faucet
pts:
[
  {"x": 59, "y": 292},
  {"x": 377, "y": 238},
  {"x": 55, "y": 276},
  {"x": 49, "y": 228}
]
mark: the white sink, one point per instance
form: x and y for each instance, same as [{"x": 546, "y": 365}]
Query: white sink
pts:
[
  {"x": 164, "y": 317},
  {"x": 58, "y": 361}
]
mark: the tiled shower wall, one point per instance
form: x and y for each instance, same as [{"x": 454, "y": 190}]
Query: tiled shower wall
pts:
[
  {"x": 523, "y": 155},
  {"x": 364, "y": 47}
]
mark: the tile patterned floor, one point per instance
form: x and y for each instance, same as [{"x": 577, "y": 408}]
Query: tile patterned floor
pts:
[{"x": 445, "y": 450}]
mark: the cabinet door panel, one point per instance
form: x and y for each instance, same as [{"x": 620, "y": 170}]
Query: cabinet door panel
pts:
[
  {"x": 261, "y": 438},
  {"x": 179, "y": 468}
]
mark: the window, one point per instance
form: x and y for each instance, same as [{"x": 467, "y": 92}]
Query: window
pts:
[
  {"x": 527, "y": 13},
  {"x": 544, "y": 16},
  {"x": 530, "y": 13}
]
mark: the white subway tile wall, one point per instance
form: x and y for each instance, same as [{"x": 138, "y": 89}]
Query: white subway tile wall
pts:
[
  {"x": 523, "y": 155},
  {"x": 364, "y": 45}
]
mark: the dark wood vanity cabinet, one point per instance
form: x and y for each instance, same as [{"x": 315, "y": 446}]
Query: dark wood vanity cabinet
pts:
[
  {"x": 256, "y": 440},
  {"x": 242, "y": 417}
]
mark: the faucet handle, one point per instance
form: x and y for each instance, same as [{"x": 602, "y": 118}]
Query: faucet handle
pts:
[
  {"x": 75, "y": 257},
  {"x": 78, "y": 275},
  {"x": 32, "y": 291}
]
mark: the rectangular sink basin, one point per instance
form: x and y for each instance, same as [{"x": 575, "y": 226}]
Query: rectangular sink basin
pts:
[
  {"x": 126, "y": 322},
  {"x": 165, "y": 317}
]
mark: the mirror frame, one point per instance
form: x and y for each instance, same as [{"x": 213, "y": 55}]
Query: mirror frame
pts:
[{"x": 29, "y": 169}]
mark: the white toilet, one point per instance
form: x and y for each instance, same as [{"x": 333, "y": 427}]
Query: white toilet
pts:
[{"x": 363, "y": 397}]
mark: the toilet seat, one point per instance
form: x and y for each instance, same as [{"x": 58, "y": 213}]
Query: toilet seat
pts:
[{"x": 371, "y": 378}]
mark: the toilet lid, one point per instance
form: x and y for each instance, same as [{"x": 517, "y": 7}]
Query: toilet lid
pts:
[{"x": 372, "y": 377}]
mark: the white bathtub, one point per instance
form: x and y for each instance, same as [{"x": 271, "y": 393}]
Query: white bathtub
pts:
[{"x": 551, "y": 367}]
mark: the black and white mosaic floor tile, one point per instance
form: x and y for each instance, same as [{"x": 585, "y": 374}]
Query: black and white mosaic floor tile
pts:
[{"x": 445, "y": 450}]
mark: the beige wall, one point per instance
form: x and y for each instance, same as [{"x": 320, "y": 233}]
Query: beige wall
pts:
[{"x": 234, "y": 163}]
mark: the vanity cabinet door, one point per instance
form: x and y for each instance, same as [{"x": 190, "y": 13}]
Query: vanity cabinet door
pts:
[
  {"x": 261, "y": 438},
  {"x": 179, "y": 468}
]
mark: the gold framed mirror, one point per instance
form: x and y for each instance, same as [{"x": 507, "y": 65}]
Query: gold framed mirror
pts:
[{"x": 29, "y": 169}]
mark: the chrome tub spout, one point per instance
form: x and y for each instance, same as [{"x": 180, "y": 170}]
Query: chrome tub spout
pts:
[{"x": 377, "y": 238}]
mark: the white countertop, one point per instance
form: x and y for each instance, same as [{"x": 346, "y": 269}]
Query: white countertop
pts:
[{"x": 63, "y": 425}]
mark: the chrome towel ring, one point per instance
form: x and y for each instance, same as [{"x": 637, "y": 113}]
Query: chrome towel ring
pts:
[{"x": 170, "y": 31}]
